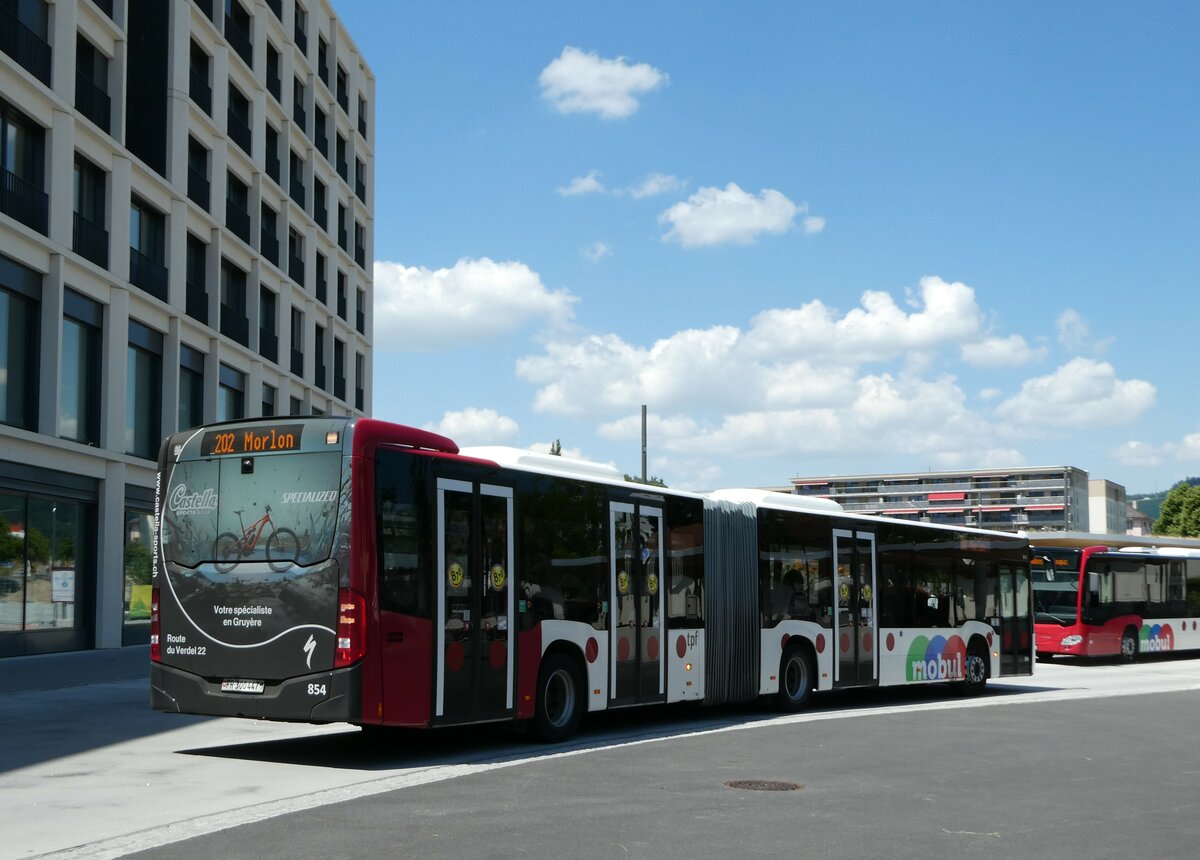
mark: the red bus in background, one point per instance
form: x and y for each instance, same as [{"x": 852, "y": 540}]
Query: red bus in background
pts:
[{"x": 1098, "y": 601}]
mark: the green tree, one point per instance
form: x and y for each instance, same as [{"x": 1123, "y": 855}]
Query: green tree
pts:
[
  {"x": 137, "y": 563},
  {"x": 652, "y": 481},
  {"x": 556, "y": 448},
  {"x": 1180, "y": 512}
]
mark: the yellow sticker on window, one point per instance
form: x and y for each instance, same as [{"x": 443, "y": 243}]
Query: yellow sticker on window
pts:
[
  {"x": 455, "y": 575},
  {"x": 498, "y": 577}
]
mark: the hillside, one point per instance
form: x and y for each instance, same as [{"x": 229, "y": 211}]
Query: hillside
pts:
[{"x": 1151, "y": 503}]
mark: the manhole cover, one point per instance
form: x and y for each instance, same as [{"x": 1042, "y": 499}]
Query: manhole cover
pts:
[{"x": 763, "y": 785}]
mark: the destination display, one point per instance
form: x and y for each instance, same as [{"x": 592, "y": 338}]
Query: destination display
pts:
[{"x": 251, "y": 440}]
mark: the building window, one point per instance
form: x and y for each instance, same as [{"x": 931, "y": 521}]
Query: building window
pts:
[
  {"x": 237, "y": 119},
  {"x": 343, "y": 236},
  {"x": 197, "y": 279},
  {"x": 274, "y": 81},
  {"x": 296, "y": 256},
  {"x": 20, "y": 292},
  {"x": 238, "y": 28},
  {"x": 341, "y": 294},
  {"x": 26, "y": 34},
  {"x": 79, "y": 387},
  {"x": 268, "y": 400},
  {"x": 148, "y": 249},
  {"x": 299, "y": 114},
  {"x": 268, "y": 337},
  {"x": 22, "y": 167},
  {"x": 343, "y": 89},
  {"x": 237, "y": 207},
  {"x": 198, "y": 184},
  {"x": 296, "y": 177},
  {"x": 89, "y": 237},
  {"x": 231, "y": 394},
  {"x": 339, "y": 369},
  {"x": 44, "y": 564},
  {"x": 360, "y": 312},
  {"x": 322, "y": 277},
  {"x": 360, "y": 180},
  {"x": 269, "y": 235},
  {"x": 199, "y": 88},
  {"x": 274, "y": 165},
  {"x": 319, "y": 356},
  {"x": 320, "y": 210},
  {"x": 362, "y": 117},
  {"x": 295, "y": 406},
  {"x": 323, "y": 59},
  {"x": 139, "y": 538},
  {"x": 143, "y": 391},
  {"x": 91, "y": 84},
  {"x": 191, "y": 387},
  {"x": 234, "y": 323},
  {"x": 343, "y": 165},
  {"x": 300, "y": 29},
  {"x": 297, "y": 333},
  {"x": 320, "y": 131},
  {"x": 360, "y": 380},
  {"x": 360, "y": 245}
]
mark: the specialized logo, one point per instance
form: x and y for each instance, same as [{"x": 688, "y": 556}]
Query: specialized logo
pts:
[
  {"x": 1157, "y": 637},
  {"x": 936, "y": 659},
  {"x": 309, "y": 647}
]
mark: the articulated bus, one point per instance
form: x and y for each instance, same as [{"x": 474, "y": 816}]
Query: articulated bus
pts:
[
  {"x": 353, "y": 570},
  {"x": 1097, "y": 601}
]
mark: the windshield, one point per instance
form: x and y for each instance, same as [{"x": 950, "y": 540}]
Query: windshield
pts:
[
  {"x": 1055, "y": 596},
  {"x": 279, "y": 509}
]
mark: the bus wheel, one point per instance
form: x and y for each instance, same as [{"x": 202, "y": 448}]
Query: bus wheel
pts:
[
  {"x": 1129, "y": 645},
  {"x": 975, "y": 673},
  {"x": 225, "y": 551},
  {"x": 559, "y": 707},
  {"x": 797, "y": 679}
]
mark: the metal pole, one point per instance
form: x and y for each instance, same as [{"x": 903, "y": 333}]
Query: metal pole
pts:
[{"x": 643, "y": 441}]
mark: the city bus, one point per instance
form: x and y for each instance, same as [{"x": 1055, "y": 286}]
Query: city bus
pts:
[
  {"x": 353, "y": 570},
  {"x": 1103, "y": 602}
]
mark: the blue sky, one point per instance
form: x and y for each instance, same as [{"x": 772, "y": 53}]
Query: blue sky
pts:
[{"x": 814, "y": 239}]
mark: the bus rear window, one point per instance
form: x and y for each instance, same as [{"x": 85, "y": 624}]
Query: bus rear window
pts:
[{"x": 247, "y": 500}]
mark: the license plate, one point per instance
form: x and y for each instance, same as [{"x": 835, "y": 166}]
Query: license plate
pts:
[{"x": 242, "y": 686}]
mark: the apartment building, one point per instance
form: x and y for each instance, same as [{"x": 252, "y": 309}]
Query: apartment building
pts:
[
  {"x": 186, "y": 223},
  {"x": 1050, "y": 498}
]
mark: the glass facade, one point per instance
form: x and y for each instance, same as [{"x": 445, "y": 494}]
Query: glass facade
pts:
[
  {"x": 81, "y": 366},
  {"x": 41, "y": 574},
  {"x": 143, "y": 392}
]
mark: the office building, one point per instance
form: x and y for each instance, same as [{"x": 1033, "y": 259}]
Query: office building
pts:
[{"x": 185, "y": 236}]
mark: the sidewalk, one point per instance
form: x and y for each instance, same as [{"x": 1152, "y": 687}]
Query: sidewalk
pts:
[{"x": 73, "y": 669}]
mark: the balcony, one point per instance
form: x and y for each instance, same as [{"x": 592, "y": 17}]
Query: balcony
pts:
[
  {"x": 296, "y": 269},
  {"x": 90, "y": 241},
  {"x": 199, "y": 90},
  {"x": 298, "y": 363},
  {"x": 268, "y": 345},
  {"x": 296, "y": 188},
  {"x": 239, "y": 133},
  {"x": 238, "y": 221},
  {"x": 24, "y": 46},
  {"x": 198, "y": 188},
  {"x": 197, "y": 303},
  {"x": 93, "y": 102},
  {"x": 268, "y": 246},
  {"x": 234, "y": 325},
  {"x": 239, "y": 40},
  {"x": 148, "y": 274},
  {"x": 23, "y": 201}
]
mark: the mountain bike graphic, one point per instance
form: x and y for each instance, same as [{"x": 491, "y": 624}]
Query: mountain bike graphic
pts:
[{"x": 282, "y": 547}]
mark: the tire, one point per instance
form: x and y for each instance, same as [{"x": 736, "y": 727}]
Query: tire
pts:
[
  {"x": 560, "y": 699},
  {"x": 976, "y": 673},
  {"x": 283, "y": 549},
  {"x": 1129, "y": 645},
  {"x": 797, "y": 679},
  {"x": 226, "y": 551}
]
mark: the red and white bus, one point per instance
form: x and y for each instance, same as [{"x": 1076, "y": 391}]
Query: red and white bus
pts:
[
  {"x": 1097, "y": 601},
  {"x": 353, "y": 570}
]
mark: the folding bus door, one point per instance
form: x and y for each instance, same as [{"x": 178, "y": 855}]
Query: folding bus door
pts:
[{"x": 854, "y": 619}]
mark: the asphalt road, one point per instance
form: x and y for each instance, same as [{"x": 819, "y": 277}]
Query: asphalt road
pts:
[{"x": 1079, "y": 761}]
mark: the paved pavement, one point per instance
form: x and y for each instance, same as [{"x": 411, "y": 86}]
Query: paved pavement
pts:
[{"x": 74, "y": 669}]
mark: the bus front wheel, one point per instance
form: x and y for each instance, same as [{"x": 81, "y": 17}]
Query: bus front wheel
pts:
[
  {"x": 1129, "y": 645},
  {"x": 797, "y": 679},
  {"x": 560, "y": 699},
  {"x": 975, "y": 673}
]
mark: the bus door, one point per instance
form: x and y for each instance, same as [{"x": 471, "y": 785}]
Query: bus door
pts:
[
  {"x": 854, "y": 615},
  {"x": 636, "y": 620},
  {"x": 1016, "y": 620},
  {"x": 474, "y": 653}
]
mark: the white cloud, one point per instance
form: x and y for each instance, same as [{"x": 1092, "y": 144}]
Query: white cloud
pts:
[
  {"x": 589, "y": 184},
  {"x": 579, "y": 82},
  {"x": 473, "y": 426},
  {"x": 655, "y": 184},
  {"x": 1076, "y": 335},
  {"x": 426, "y": 309},
  {"x": 713, "y": 216},
  {"x": 1189, "y": 448},
  {"x": 1081, "y": 393},
  {"x": 1010, "y": 351},
  {"x": 597, "y": 251},
  {"x": 1135, "y": 453},
  {"x": 813, "y": 224}
]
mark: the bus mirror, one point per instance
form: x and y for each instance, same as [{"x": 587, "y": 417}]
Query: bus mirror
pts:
[{"x": 1048, "y": 564}]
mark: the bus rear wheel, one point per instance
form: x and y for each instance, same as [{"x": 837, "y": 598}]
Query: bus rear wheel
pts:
[
  {"x": 559, "y": 705},
  {"x": 797, "y": 679},
  {"x": 1129, "y": 645}
]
